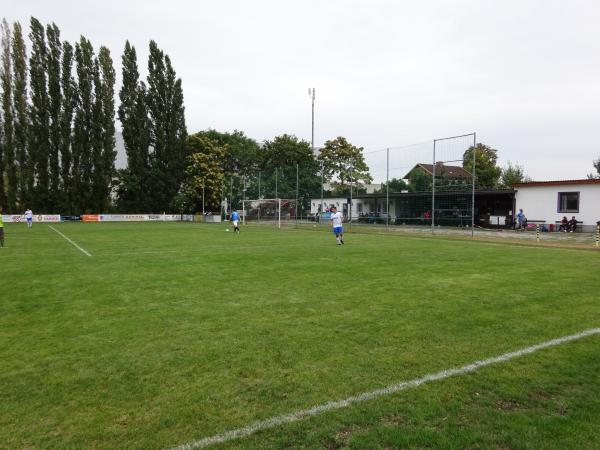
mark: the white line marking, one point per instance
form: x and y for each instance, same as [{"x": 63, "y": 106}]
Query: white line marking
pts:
[
  {"x": 69, "y": 240},
  {"x": 366, "y": 396}
]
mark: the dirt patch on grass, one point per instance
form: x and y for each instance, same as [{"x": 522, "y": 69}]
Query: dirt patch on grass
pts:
[{"x": 508, "y": 405}]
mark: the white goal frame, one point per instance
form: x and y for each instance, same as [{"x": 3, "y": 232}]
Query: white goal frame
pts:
[{"x": 277, "y": 200}]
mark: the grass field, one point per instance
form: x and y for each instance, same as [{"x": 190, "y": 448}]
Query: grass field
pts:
[{"x": 174, "y": 332}]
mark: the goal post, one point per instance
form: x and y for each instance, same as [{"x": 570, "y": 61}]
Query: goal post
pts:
[{"x": 269, "y": 211}]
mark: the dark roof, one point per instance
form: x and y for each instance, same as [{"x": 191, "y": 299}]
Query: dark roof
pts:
[
  {"x": 558, "y": 182},
  {"x": 478, "y": 192},
  {"x": 442, "y": 169}
]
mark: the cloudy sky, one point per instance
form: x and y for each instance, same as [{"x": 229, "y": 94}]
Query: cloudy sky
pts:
[{"x": 525, "y": 75}]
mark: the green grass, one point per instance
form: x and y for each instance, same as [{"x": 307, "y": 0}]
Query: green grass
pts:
[{"x": 174, "y": 332}]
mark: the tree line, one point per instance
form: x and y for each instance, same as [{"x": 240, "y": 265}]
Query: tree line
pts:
[
  {"x": 57, "y": 137},
  {"x": 231, "y": 166},
  {"x": 57, "y": 124}
]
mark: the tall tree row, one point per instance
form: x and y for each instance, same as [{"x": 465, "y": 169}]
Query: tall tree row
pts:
[
  {"x": 69, "y": 101},
  {"x": 39, "y": 117},
  {"x": 133, "y": 115},
  {"x": 54, "y": 109},
  {"x": 167, "y": 129},
  {"x": 154, "y": 132},
  {"x": 21, "y": 124},
  {"x": 7, "y": 164},
  {"x": 57, "y": 126},
  {"x": 57, "y": 134},
  {"x": 106, "y": 162}
]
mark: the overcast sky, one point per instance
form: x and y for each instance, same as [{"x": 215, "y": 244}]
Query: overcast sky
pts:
[{"x": 525, "y": 75}]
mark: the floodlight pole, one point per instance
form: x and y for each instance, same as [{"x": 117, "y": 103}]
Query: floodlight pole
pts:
[
  {"x": 202, "y": 201},
  {"x": 433, "y": 192},
  {"x": 473, "y": 177},
  {"x": 311, "y": 93},
  {"x": 297, "y": 179}
]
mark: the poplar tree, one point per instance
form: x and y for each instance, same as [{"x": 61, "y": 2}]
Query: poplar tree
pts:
[
  {"x": 54, "y": 107},
  {"x": 69, "y": 101},
  {"x": 7, "y": 159},
  {"x": 24, "y": 162},
  {"x": 97, "y": 173},
  {"x": 168, "y": 131},
  {"x": 133, "y": 115},
  {"x": 39, "y": 143},
  {"x": 108, "y": 154},
  {"x": 82, "y": 126}
]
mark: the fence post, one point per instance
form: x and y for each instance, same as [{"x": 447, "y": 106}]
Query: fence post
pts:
[
  {"x": 244, "y": 202},
  {"x": 387, "y": 190},
  {"x": 433, "y": 191},
  {"x": 350, "y": 212},
  {"x": 278, "y": 213},
  {"x": 473, "y": 187},
  {"x": 598, "y": 235},
  {"x": 537, "y": 232}
]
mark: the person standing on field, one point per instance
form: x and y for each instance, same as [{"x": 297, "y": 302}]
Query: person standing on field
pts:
[
  {"x": 521, "y": 219},
  {"x": 1, "y": 230},
  {"x": 235, "y": 217},
  {"x": 336, "y": 220},
  {"x": 29, "y": 218}
]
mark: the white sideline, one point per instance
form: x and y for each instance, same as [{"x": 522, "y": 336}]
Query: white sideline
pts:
[
  {"x": 69, "y": 240},
  {"x": 366, "y": 396}
]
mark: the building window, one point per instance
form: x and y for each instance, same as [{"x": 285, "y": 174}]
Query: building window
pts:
[{"x": 568, "y": 202}]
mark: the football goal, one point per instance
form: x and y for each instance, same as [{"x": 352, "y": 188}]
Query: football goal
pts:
[{"x": 270, "y": 211}]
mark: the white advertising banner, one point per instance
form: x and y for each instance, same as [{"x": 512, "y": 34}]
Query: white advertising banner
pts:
[
  {"x": 133, "y": 218},
  {"x": 16, "y": 218},
  {"x": 122, "y": 217}
]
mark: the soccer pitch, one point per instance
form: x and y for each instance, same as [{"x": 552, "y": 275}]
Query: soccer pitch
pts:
[{"x": 165, "y": 334}]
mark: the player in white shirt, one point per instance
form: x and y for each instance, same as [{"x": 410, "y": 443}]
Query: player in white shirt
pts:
[
  {"x": 336, "y": 221},
  {"x": 29, "y": 218}
]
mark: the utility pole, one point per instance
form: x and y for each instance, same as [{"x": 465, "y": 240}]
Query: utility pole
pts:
[{"x": 311, "y": 93}]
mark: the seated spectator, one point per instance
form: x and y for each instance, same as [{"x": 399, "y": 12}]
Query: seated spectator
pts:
[
  {"x": 573, "y": 224},
  {"x": 564, "y": 224}
]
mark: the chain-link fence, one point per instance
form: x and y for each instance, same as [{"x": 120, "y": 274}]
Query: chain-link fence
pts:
[{"x": 428, "y": 186}]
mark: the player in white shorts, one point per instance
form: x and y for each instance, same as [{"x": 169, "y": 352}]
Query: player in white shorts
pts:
[
  {"x": 29, "y": 218},
  {"x": 235, "y": 217},
  {"x": 336, "y": 221}
]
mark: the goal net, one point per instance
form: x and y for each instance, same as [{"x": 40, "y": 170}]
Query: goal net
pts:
[{"x": 270, "y": 211}]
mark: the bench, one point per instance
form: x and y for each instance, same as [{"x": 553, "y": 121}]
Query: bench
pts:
[
  {"x": 579, "y": 226},
  {"x": 531, "y": 225}
]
